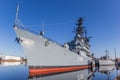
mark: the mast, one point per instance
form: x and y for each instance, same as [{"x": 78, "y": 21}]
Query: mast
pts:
[
  {"x": 81, "y": 41},
  {"x": 80, "y": 29},
  {"x": 107, "y": 53},
  {"x": 81, "y": 32},
  {"x": 115, "y": 52}
]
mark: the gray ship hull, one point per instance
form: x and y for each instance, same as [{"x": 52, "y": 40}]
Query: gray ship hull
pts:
[{"x": 40, "y": 51}]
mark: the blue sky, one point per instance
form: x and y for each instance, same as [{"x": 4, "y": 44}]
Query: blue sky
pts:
[{"x": 101, "y": 17}]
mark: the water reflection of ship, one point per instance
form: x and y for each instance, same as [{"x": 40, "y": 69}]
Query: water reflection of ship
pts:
[
  {"x": 12, "y": 63},
  {"x": 9, "y": 63},
  {"x": 85, "y": 74},
  {"x": 118, "y": 65},
  {"x": 106, "y": 70}
]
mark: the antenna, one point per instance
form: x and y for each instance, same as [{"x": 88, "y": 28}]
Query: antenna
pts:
[
  {"x": 115, "y": 52},
  {"x": 42, "y": 31},
  {"x": 107, "y": 53},
  {"x": 85, "y": 29},
  {"x": 65, "y": 36},
  {"x": 42, "y": 25}
]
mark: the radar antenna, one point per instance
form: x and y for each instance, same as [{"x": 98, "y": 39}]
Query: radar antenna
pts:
[{"x": 80, "y": 29}]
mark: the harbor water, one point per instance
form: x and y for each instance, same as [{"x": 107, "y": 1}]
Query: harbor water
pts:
[{"x": 21, "y": 72}]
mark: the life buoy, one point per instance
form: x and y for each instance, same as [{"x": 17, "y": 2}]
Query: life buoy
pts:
[{"x": 46, "y": 43}]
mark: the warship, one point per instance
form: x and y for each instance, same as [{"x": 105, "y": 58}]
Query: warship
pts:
[
  {"x": 105, "y": 60},
  {"x": 42, "y": 53}
]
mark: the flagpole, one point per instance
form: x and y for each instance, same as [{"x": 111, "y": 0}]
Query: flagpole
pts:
[{"x": 16, "y": 17}]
